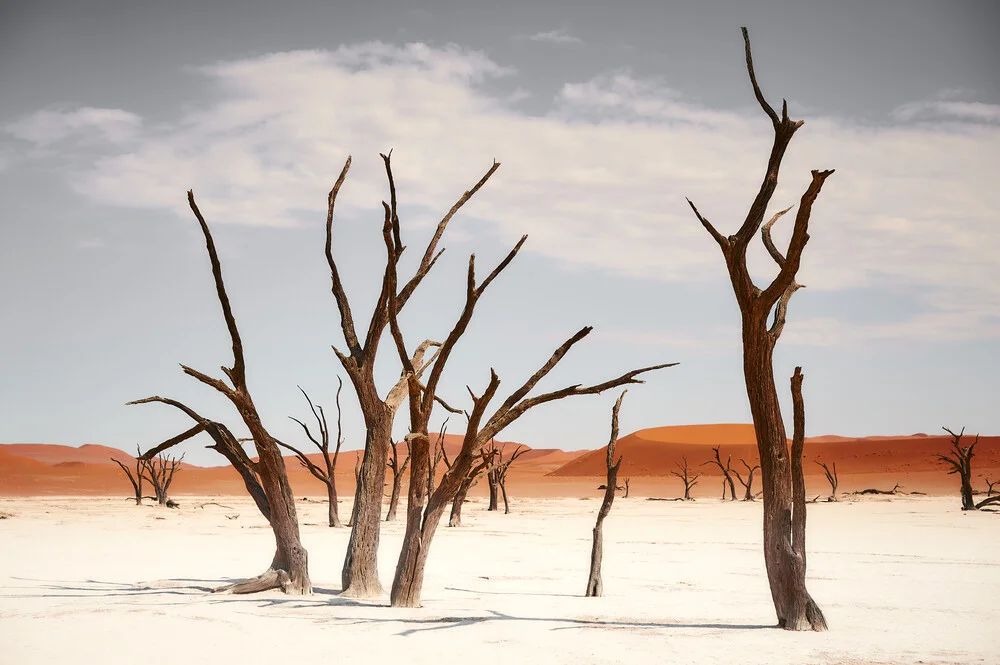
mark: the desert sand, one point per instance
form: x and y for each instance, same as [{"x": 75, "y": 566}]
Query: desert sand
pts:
[{"x": 100, "y": 580}]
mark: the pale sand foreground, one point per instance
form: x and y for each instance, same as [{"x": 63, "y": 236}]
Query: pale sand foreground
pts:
[{"x": 102, "y": 581}]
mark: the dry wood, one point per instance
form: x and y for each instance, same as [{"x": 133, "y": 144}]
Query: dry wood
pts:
[
  {"x": 134, "y": 478},
  {"x": 831, "y": 477},
  {"x": 727, "y": 473},
  {"x": 684, "y": 474},
  {"x": 748, "y": 494},
  {"x": 959, "y": 458},
  {"x": 159, "y": 471},
  {"x": 595, "y": 585}
]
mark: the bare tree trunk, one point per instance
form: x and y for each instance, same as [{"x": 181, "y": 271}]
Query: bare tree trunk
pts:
[
  {"x": 333, "y": 516},
  {"x": 136, "y": 479},
  {"x": 397, "y": 483},
  {"x": 455, "y": 519},
  {"x": 360, "y": 573},
  {"x": 494, "y": 493},
  {"x": 503, "y": 491},
  {"x": 595, "y": 585}
]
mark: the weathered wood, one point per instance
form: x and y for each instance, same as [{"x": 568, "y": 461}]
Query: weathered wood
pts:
[
  {"x": 727, "y": 473},
  {"x": 686, "y": 477},
  {"x": 759, "y": 338},
  {"x": 831, "y": 477},
  {"x": 748, "y": 494},
  {"x": 595, "y": 585},
  {"x": 134, "y": 478},
  {"x": 959, "y": 458}
]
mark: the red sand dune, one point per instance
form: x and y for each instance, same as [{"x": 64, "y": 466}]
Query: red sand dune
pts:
[{"x": 649, "y": 457}]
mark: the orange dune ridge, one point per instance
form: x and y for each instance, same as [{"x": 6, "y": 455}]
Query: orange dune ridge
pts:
[{"x": 649, "y": 457}]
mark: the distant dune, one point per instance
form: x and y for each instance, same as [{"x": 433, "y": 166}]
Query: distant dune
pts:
[{"x": 649, "y": 457}]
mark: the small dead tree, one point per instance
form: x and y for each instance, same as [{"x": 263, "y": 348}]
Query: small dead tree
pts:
[
  {"x": 626, "y": 488},
  {"x": 684, "y": 474},
  {"x": 480, "y": 466},
  {"x": 497, "y": 475},
  {"x": 831, "y": 477},
  {"x": 325, "y": 474},
  {"x": 595, "y": 585},
  {"x": 136, "y": 477},
  {"x": 159, "y": 471},
  {"x": 727, "y": 473},
  {"x": 989, "y": 486},
  {"x": 760, "y": 332},
  {"x": 959, "y": 458},
  {"x": 398, "y": 468},
  {"x": 748, "y": 484}
]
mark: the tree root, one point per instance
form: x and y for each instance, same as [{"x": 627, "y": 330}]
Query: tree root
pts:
[{"x": 270, "y": 579}]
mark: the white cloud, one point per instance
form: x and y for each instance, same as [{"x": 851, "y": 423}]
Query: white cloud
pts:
[
  {"x": 598, "y": 183},
  {"x": 555, "y": 37},
  {"x": 48, "y": 126},
  {"x": 942, "y": 109}
]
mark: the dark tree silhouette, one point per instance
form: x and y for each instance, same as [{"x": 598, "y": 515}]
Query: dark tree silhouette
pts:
[
  {"x": 727, "y": 473},
  {"x": 748, "y": 483},
  {"x": 959, "y": 458},
  {"x": 763, "y": 319},
  {"x": 684, "y": 474},
  {"x": 595, "y": 585},
  {"x": 398, "y": 468},
  {"x": 831, "y": 477},
  {"x": 135, "y": 476},
  {"x": 159, "y": 470},
  {"x": 327, "y": 473},
  {"x": 480, "y": 466},
  {"x": 497, "y": 474}
]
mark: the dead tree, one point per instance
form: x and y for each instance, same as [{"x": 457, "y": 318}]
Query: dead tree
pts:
[
  {"x": 325, "y": 474},
  {"x": 748, "y": 484},
  {"x": 959, "y": 458},
  {"x": 686, "y": 478},
  {"x": 481, "y": 465},
  {"x": 398, "y": 468},
  {"x": 760, "y": 332},
  {"x": 727, "y": 475},
  {"x": 289, "y": 568},
  {"x": 424, "y": 512},
  {"x": 626, "y": 488},
  {"x": 136, "y": 478},
  {"x": 595, "y": 586},
  {"x": 831, "y": 477},
  {"x": 439, "y": 454},
  {"x": 159, "y": 470},
  {"x": 989, "y": 486},
  {"x": 359, "y": 575},
  {"x": 497, "y": 475}
]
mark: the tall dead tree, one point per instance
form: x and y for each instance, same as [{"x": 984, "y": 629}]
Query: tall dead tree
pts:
[
  {"x": 359, "y": 576},
  {"x": 959, "y": 458},
  {"x": 684, "y": 474},
  {"x": 159, "y": 470},
  {"x": 134, "y": 478},
  {"x": 424, "y": 512},
  {"x": 727, "y": 473},
  {"x": 831, "y": 477},
  {"x": 763, "y": 318},
  {"x": 497, "y": 475},
  {"x": 748, "y": 494},
  {"x": 289, "y": 568},
  {"x": 595, "y": 585},
  {"x": 327, "y": 473}
]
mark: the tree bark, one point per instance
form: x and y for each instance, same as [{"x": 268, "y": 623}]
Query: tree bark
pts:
[
  {"x": 455, "y": 519},
  {"x": 494, "y": 493},
  {"x": 595, "y": 585}
]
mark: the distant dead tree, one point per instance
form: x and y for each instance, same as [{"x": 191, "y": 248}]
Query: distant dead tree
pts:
[
  {"x": 359, "y": 576},
  {"x": 686, "y": 478},
  {"x": 289, "y": 568},
  {"x": 136, "y": 477},
  {"x": 989, "y": 486},
  {"x": 959, "y": 458},
  {"x": 831, "y": 477},
  {"x": 159, "y": 471},
  {"x": 439, "y": 454},
  {"x": 398, "y": 468},
  {"x": 727, "y": 475},
  {"x": 595, "y": 585},
  {"x": 480, "y": 465},
  {"x": 748, "y": 484},
  {"x": 760, "y": 332},
  {"x": 424, "y": 512},
  {"x": 626, "y": 488},
  {"x": 497, "y": 475},
  {"x": 327, "y": 473}
]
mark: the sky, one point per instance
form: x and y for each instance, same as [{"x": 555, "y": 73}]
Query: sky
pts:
[{"x": 603, "y": 119}]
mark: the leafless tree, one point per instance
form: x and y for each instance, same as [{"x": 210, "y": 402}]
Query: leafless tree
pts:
[
  {"x": 480, "y": 466},
  {"x": 989, "y": 486},
  {"x": 626, "y": 488},
  {"x": 439, "y": 454},
  {"x": 289, "y": 568},
  {"x": 327, "y": 473},
  {"x": 497, "y": 474},
  {"x": 748, "y": 484},
  {"x": 685, "y": 476},
  {"x": 727, "y": 473},
  {"x": 136, "y": 477},
  {"x": 831, "y": 477},
  {"x": 760, "y": 332},
  {"x": 359, "y": 576},
  {"x": 159, "y": 471},
  {"x": 398, "y": 468},
  {"x": 959, "y": 458},
  {"x": 424, "y": 512},
  {"x": 595, "y": 585}
]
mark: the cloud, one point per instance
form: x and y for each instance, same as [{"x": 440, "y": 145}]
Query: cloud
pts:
[
  {"x": 598, "y": 182},
  {"x": 941, "y": 109},
  {"x": 555, "y": 37},
  {"x": 48, "y": 126}
]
